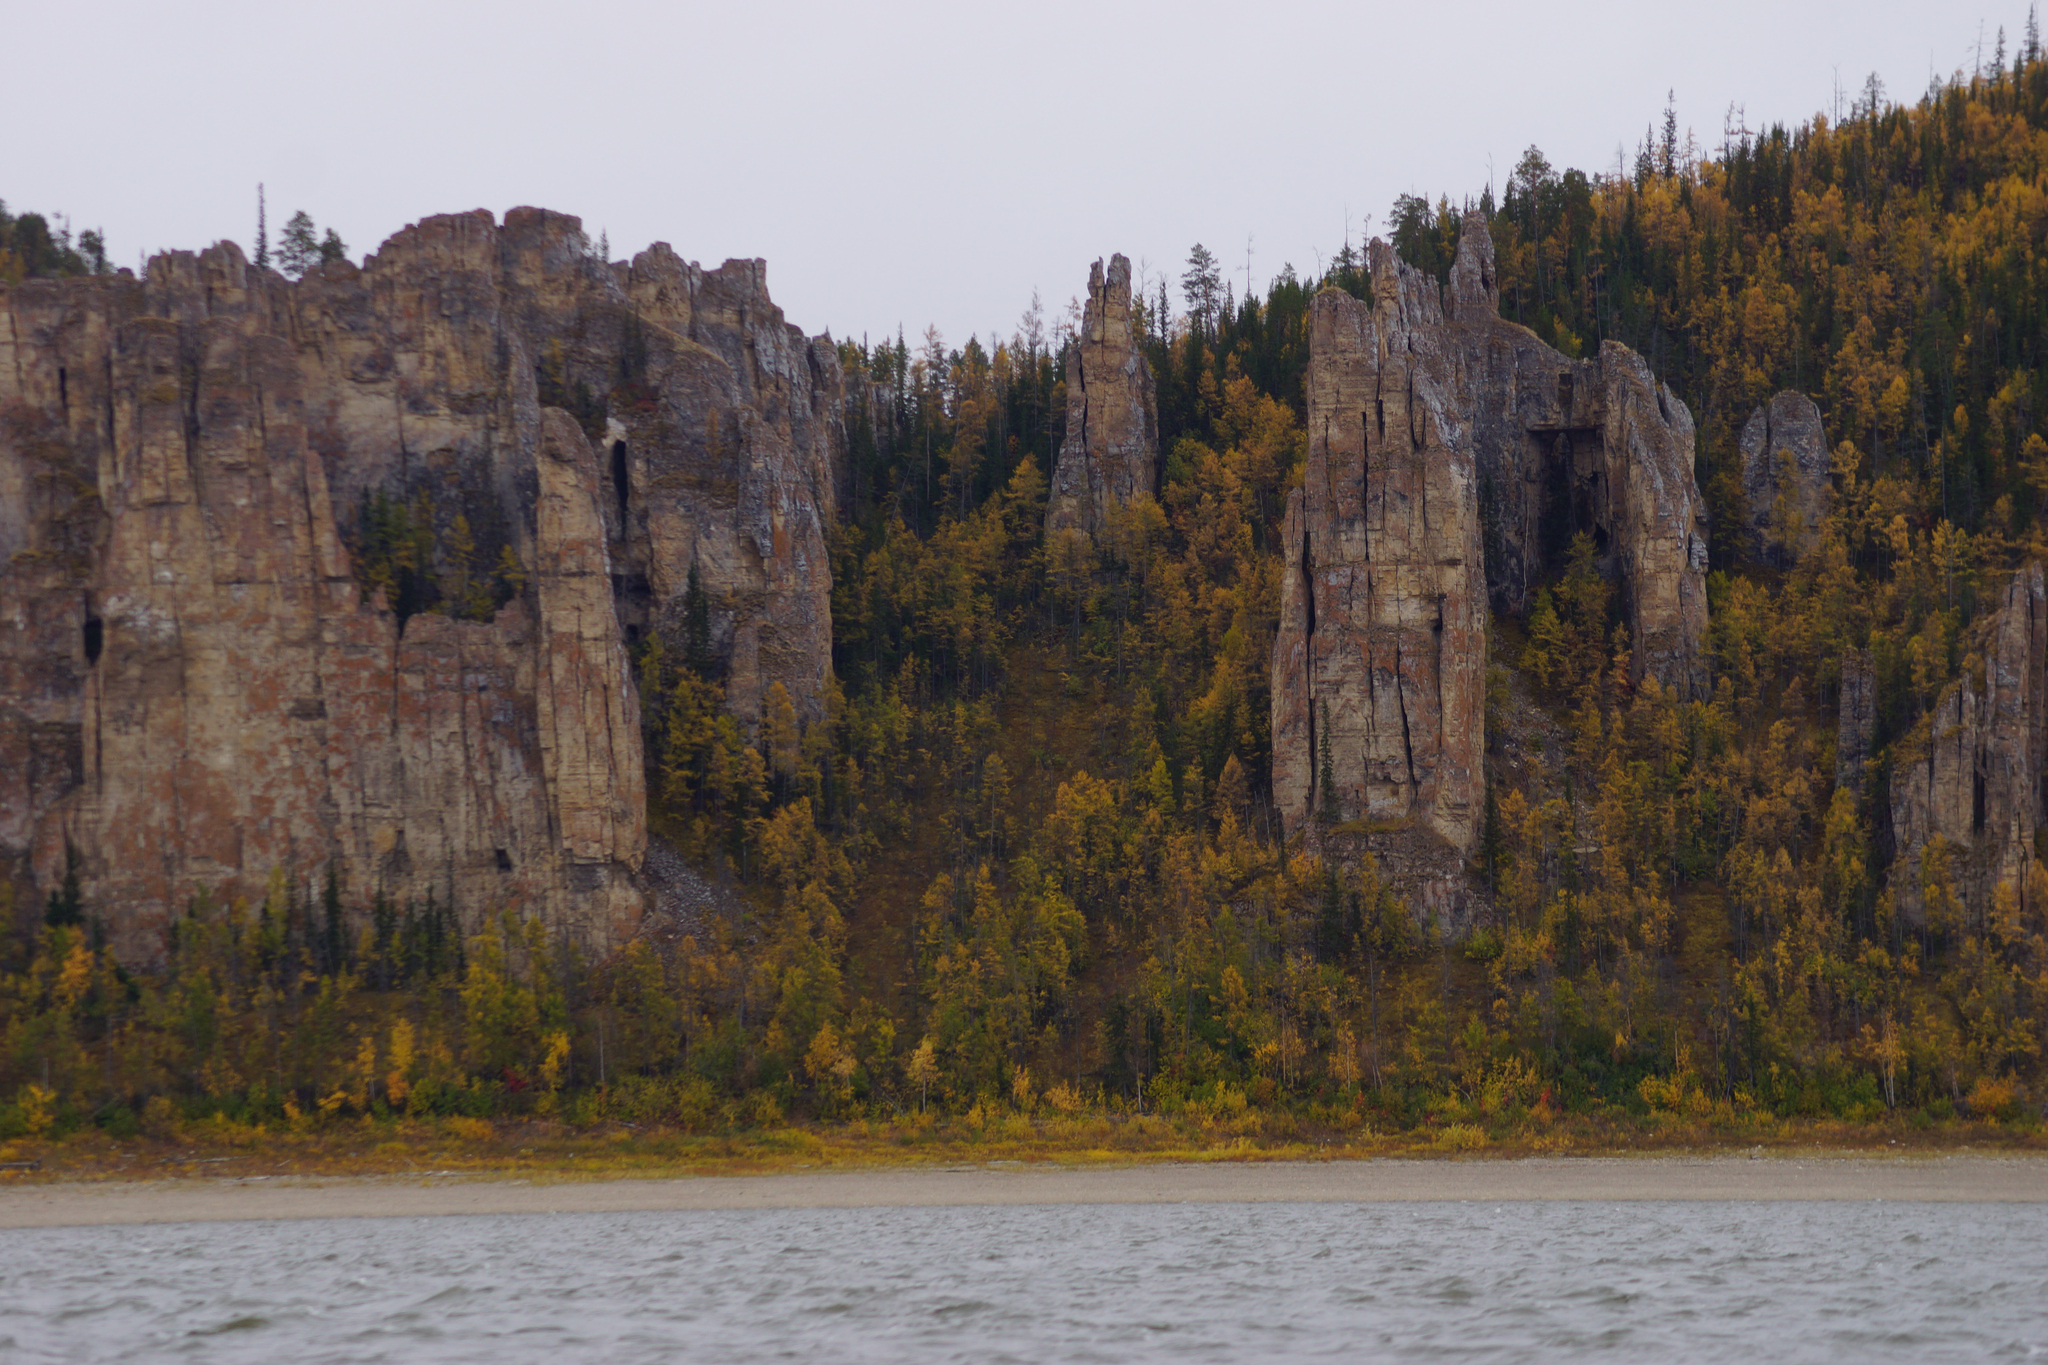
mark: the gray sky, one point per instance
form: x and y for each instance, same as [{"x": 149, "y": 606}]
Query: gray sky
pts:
[{"x": 901, "y": 163}]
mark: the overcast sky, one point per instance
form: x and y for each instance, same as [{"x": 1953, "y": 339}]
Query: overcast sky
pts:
[{"x": 897, "y": 164}]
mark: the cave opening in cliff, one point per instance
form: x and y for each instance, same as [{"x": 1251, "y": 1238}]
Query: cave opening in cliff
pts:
[
  {"x": 63, "y": 391},
  {"x": 621, "y": 482},
  {"x": 95, "y": 640},
  {"x": 1559, "y": 520},
  {"x": 633, "y": 601},
  {"x": 504, "y": 860},
  {"x": 1573, "y": 495}
]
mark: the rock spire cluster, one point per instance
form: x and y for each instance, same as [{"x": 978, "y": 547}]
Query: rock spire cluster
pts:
[
  {"x": 1452, "y": 455},
  {"x": 198, "y": 686}
]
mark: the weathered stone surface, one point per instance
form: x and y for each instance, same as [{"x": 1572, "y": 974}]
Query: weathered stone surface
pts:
[
  {"x": 1972, "y": 776},
  {"x": 741, "y": 455},
  {"x": 1111, "y": 451},
  {"x": 1856, "y": 720},
  {"x": 1381, "y": 652},
  {"x": 1785, "y": 478},
  {"x": 193, "y": 690},
  {"x": 1599, "y": 446},
  {"x": 1647, "y": 507},
  {"x": 1434, "y": 425}
]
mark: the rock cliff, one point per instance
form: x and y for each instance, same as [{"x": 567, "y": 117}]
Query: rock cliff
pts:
[
  {"x": 1566, "y": 446},
  {"x": 1452, "y": 456},
  {"x": 1973, "y": 775},
  {"x": 1111, "y": 451},
  {"x": 1380, "y": 660},
  {"x": 346, "y": 570},
  {"x": 1785, "y": 478}
]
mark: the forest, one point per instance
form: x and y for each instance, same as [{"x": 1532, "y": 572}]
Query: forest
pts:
[{"x": 1026, "y": 869}]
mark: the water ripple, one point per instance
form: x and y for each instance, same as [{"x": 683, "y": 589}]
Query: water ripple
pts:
[{"x": 1525, "y": 1282}]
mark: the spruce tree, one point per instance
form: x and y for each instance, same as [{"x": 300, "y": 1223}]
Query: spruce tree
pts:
[
  {"x": 1199, "y": 284},
  {"x": 262, "y": 231},
  {"x": 298, "y": 246}
]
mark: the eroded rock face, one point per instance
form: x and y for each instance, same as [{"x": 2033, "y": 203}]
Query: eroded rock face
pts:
[
  {"x": 1381, "y": 654},
  {"x": 1452, "y": 455},
  {"x": 196, "y": 690},
  {"x": 739, "y": 447},
  {"x": 1599, "y": 446},
  {"x": 1111, "y": 451},
  {"x": 1785, "y": 478},
  {"x": 1973, "y": 777}
]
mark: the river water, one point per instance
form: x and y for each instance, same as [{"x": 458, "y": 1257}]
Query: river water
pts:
[{"x": 1188, "y": 1282}]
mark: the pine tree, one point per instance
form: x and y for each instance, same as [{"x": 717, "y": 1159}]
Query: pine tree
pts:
[
  {"x": 298, "y": 248},
  {"x": 262, "y": 231}
]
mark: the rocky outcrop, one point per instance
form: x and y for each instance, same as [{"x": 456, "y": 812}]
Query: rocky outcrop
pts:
[
  {"x": 1452, "y": 456},
  {"x": 1972, "y": 776},
  {"x": 345, "y": 571},
  {"x": 1381, "y": 654},
  {"x": 1111, "y": 451},
  {"x": 1785, "y": 478},
  {"x": 734, "y": 458},
  {"x": 1565, "y": 446}
]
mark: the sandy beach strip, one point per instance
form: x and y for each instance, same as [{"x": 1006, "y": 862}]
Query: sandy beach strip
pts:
[{"x": 1947, "y": 1179}]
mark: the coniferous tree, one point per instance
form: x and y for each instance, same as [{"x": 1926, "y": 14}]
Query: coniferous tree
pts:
[
  {"x": 66, "y": 905},
  {"x": 333, "y": 944},
  {"x": 1201, "y": 284},
  {"x": 298, "y": 246},
  {"x": 262, "y": 230}
]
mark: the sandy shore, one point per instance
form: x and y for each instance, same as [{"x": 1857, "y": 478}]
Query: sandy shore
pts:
[{"x": 1940, "y": 1179}]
